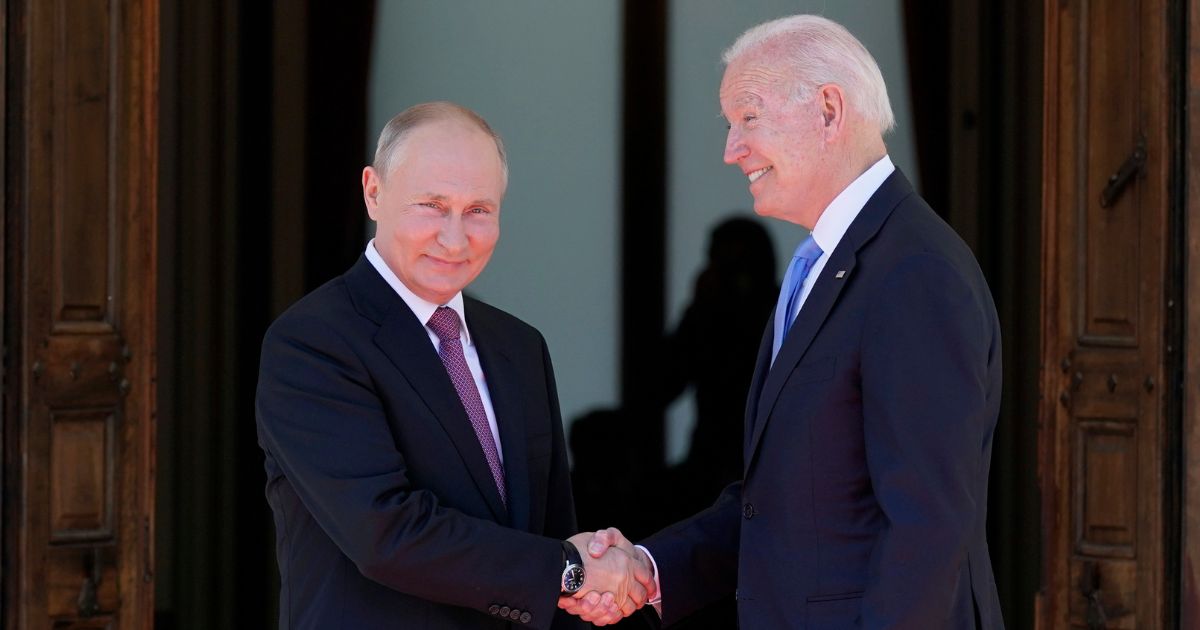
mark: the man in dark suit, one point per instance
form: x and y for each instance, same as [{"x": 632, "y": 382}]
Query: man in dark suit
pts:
[
  {"x": 414, "y": 450},
  {"x": 869, "y": 423}
]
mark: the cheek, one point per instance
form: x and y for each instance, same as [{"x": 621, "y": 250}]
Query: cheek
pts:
[
  {"x": 483, "y": 234},
  {"x": 413, "y": 230}
]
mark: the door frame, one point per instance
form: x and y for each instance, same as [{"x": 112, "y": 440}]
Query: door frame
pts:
[{"x": 1189, "y": 555}]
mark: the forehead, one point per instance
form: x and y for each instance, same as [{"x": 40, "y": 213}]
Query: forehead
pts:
[
  {"x": 751, "y": 82},
  {"x": 458, "y": 147}
]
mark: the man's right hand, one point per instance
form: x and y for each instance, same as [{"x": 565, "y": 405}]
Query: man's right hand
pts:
[{"x": 624, "y": 578}]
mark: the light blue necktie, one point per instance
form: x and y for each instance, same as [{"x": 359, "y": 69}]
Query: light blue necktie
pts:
[{"x": 803, "y": 260}]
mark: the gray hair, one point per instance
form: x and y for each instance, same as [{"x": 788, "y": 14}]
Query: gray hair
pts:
[
  {"x": 397, "y": 130},
  {"x": 815, "y": 50}
]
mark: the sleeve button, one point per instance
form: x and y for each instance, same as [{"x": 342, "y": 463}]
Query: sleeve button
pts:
[
  {"x": 525, "y": 617},
  {"x": 504, "y": 611},
  {"x": 494, "y": 609},
  {"x": 515, "y": 614}
]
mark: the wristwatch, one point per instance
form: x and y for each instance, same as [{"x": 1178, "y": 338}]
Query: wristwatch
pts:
[{"x": 573, "y": 574}]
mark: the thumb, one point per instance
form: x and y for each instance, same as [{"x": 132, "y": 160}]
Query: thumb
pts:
[{"x": 600, "y": 542}]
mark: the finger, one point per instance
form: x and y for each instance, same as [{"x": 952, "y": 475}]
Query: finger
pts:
[
  {"x": 615, "y": 536},
  {"x": 644, "y": 573},
  {"x": 638, "y": 593},
  {"x": 617, "y": 539},
  {"x": 589, "y": 607},
  {"x": 573, "y": 606},
  {"x": 601, "y": 616},
  {"x": 600, "y": 610},
  {"x": 600, "y": 542},
  {"x": 628, "y": 607},
  {"x": 610, "y": 615},
  {"x": 609, "y": 610}
]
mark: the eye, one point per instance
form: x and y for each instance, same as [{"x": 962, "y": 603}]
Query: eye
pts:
[
  {"x": 749, "y": 118},
  {"x": 479, "y": 210}
]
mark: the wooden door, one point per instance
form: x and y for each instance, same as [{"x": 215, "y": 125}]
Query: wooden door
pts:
[
  {"x": 1104, "y": 347},
  {"x": 81, "y": 146}
]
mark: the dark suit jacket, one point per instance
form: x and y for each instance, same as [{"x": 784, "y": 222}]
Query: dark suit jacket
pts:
[
  {"x": 867, "y": 447},
  {"x": 386, "y": 513}
]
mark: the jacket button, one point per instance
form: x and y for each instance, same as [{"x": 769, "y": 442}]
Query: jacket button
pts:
[
  {"x": 748, "y": 510},
  {"x": 494, "y": 610},
  {"x": 526, "y": 617},
  {"x": 504, "y": 611}
]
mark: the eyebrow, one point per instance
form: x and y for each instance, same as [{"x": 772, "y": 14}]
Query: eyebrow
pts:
[
  {"x": 742, "y": 101},
  {"x": 440, "y": 197},
  {"x": 748, "y": 99}
]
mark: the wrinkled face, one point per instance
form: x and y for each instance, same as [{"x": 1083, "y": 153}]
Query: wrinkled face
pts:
[
  {"x": 778, "y": 144},
  {"x": 437, "y": 213}
]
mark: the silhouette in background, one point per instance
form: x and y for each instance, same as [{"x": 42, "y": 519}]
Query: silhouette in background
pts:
[{"x": 712, "y": 350}]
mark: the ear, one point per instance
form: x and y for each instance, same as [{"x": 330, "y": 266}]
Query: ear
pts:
[
  {"x": 371, "y": 185},
  {"x": 832, "y": 102}
]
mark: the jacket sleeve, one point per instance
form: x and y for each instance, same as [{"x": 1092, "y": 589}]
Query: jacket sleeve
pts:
[
  {"x": 321, "y": 421},
  {"x": 560, "y": 504},
  {"x": 925, "y": 383},
  {"x": 697, "y": 557}
]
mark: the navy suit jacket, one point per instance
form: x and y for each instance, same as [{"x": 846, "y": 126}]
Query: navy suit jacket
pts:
[
  {"x": 867, "y": 445},
  {"x": 386, "y": 513}
]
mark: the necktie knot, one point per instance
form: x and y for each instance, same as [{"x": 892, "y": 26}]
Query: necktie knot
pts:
[
  {"x": 808, "y": 250},
  {"x": 444, "y": 324},
  {"x": 803, "y": 259}
]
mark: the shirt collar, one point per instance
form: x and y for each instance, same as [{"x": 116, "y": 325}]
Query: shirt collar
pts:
[
  {"x": 841, "y": 212},
  {"x": 420, "y": 307}
]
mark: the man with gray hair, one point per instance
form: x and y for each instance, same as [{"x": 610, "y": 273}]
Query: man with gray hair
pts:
[
  {"x": 415, "y": 459},
  {"x": 870, "y": 417}
]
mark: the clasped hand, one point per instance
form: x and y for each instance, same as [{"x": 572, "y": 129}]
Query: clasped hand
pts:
[{"x": 619, "y": 578}]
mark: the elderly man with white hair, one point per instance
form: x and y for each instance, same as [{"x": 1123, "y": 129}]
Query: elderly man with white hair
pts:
[{"x": 869, "y": 424}]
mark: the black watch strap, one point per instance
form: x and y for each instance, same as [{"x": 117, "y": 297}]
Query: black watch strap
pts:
[{"x": 571, "y": 555}]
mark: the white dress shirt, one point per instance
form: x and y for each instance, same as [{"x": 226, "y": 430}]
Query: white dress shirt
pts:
[
  {"x": 838, "y": 215},
  {"x": 424, "y": 310},
  {"x": 828, "y": 232}
]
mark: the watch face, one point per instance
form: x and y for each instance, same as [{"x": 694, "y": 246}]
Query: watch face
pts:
[{"x": 572, "y": 579}]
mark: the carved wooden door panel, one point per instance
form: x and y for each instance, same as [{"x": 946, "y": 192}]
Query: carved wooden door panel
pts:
[
  {"x": 81, "y": 94},
  {"x": 1101, "y": 440}
]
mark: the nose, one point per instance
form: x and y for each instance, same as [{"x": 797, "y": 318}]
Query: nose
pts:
[
  {"x": 453, "y": 235},
  {"x": 735, "y": 149}
]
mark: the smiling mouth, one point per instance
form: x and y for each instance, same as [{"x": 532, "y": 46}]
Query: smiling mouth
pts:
[
  {"x": 754, "y": 175},
  {"x": 444, "y": 262}
]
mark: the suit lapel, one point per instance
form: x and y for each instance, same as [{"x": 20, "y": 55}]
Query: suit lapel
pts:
[
  {"x": 406, "y": 344},
  {"x": 816, "y": 307},
  {"x": 504, "y": 387},
  {"x": 824, "y": 294}
]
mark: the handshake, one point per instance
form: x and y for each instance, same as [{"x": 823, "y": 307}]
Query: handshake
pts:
[{"x": 618, "y": 578}]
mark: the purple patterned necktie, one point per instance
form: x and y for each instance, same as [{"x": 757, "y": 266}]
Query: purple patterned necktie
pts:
[{"x": 444, "y": 324}]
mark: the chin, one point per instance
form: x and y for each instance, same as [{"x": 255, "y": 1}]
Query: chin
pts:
[{"x": 763, "y": 210}]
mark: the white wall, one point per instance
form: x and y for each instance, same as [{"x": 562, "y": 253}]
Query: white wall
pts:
[
  {"x": 701, "y": 188},
  {"x": 546, "y": 76}
]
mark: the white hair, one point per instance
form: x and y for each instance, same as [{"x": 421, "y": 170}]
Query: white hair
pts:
[{"x": 814, "y": 51}]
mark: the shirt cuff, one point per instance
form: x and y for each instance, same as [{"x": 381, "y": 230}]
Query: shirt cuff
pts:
[{"x": 655, "y": 601}]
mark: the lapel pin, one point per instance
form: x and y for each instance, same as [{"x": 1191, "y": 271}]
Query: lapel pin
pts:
[{"x": 841, "y": 274}]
